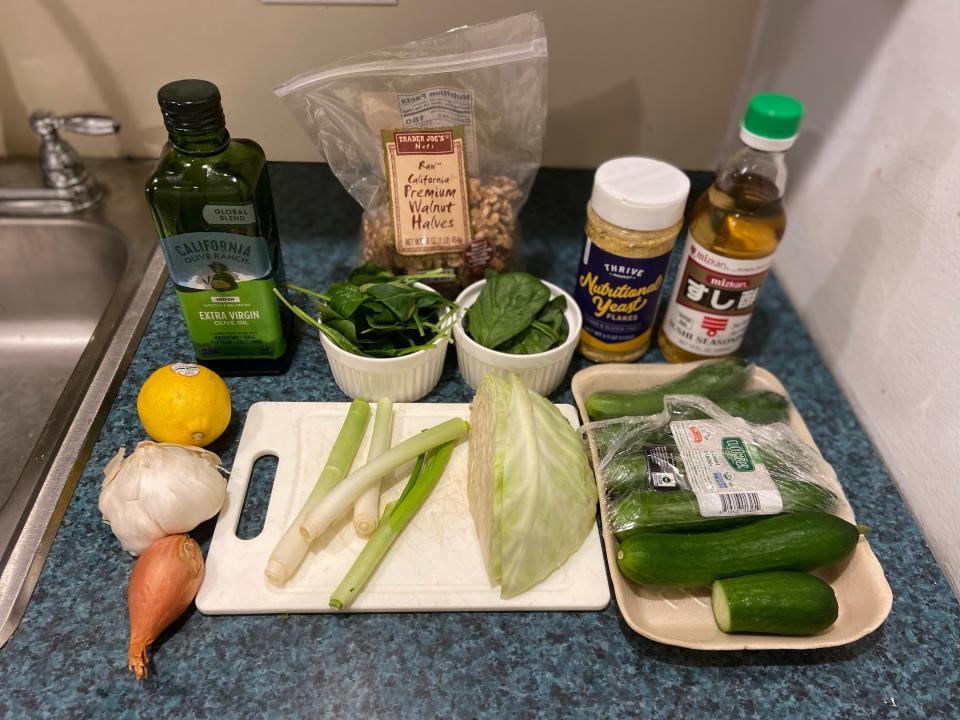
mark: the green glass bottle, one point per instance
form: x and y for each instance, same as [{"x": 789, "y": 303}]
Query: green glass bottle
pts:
[{"x": 211, "y": 203}]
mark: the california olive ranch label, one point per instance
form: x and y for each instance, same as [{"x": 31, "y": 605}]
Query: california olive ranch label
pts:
[
  {"x": 618, "y": 295},
  {"x": 225, "y": 283},
  {"x": 429, "y": 197}
]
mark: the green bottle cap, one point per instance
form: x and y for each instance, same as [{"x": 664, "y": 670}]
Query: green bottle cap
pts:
[{"x": 773, "y": 116}]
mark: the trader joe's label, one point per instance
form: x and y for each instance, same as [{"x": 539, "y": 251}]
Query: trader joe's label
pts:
[
  {"x": 723, "y": 471},
  {"x": 429, "y": 198}
]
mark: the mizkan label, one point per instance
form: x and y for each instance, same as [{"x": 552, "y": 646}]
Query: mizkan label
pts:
[{"x": 713, "y": 299}]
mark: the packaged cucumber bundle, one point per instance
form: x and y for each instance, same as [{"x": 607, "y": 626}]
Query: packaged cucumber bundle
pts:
[{"x": 695, "y": 467}]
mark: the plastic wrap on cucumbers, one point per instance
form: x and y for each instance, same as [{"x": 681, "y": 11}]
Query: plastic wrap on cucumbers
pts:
[{"x": 694, "y": 467}]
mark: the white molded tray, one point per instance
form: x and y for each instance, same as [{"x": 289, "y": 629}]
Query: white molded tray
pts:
[
  {"x": 435, "y": 565},
  {"x": 683, "y": 617}
]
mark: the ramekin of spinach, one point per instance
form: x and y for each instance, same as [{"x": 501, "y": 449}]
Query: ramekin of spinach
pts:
[
  {"x": 376, "y": 314},
  {"x": 515, "y": 314},
  {"x": 516, "y": 323}
]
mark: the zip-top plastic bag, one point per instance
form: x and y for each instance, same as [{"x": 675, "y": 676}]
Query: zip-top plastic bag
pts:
[
  {"x": 659, "y": 473},
  {"x": 439, "y": 140}
]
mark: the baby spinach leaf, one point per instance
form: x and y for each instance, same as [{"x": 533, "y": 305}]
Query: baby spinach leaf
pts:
[
  {"x": 344, "y": 299},
  {"x": 345, "y": 328},
  {"x": 369, "y": 272},
  {"x": 548, "y": 331},
  {"x": 507, "y": 304},
  {"x": 338, "y": 338},
  {"x": 400, "y": 300}
]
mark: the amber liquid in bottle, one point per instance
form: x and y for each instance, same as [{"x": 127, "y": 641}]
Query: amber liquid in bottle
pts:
[{"x": 741, "y": 217}]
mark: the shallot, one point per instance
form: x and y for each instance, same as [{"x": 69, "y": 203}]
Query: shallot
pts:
[{"x": 164, "y": 581}]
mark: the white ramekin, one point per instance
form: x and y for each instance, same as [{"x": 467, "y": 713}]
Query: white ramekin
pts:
[
  {"x": 402, "y": 379},
  {"x": 542, "y": 372}
]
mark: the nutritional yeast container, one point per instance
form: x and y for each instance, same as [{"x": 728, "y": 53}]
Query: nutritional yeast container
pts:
[{"x": 633, "y": 218}]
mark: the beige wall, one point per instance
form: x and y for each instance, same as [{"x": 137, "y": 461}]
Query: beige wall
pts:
[{"x": 653, "y": 77}]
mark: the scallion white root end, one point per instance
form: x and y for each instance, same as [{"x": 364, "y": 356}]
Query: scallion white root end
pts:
[
  {"x": 292, "y": 548},
  {"x": 366, "y": 512}
]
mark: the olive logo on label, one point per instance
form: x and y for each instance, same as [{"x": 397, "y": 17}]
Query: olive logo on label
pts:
[{"x": 736, "y": 453}]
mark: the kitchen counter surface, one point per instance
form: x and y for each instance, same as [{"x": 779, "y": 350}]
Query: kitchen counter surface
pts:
[{"x": 68, "y": 658}]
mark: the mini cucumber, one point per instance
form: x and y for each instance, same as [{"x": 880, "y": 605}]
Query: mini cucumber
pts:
[
  {"x": 724, "y": 377},
  {"x": 799, "y": 542},
  {"x": 760, "y": 407},
  {"x": 645, "y": 510},
  {"x": 775, "y": 603}
]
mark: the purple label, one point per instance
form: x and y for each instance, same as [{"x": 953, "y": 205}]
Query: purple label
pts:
[{"x": 617, "y": 295}]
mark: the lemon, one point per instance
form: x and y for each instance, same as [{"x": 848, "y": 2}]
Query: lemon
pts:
[{"x": 185, "y": 404}]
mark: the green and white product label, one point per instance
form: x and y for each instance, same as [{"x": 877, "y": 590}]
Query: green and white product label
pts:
[
  {"x": 723, "y": 471},
  {"x": 225, "y": 286}
]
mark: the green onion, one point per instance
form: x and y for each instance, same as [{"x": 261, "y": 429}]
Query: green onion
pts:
[
  {"x": 292, "y": 548},
  {"x": 367, "y": 510},
  {"x": 425, "y": 476},
  {"x": 345, "y": 494}
]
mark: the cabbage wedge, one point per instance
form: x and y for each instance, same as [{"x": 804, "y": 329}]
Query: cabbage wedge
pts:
[{"x": 531, "y": 490}]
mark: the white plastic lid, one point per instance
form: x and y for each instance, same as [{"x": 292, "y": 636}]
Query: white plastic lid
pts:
[
  {"x": 758, "y": 142},
  {"x": 639, "y": 193}
]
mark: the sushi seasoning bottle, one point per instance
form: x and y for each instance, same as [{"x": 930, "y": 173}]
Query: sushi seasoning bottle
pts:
[
  {"x": 735, "y": 228},
  {"x": 633, "y": 218},
  {"x": 213, "y": 210}
]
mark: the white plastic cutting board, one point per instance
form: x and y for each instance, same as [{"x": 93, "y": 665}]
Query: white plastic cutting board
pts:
[{"x": 435, "y": 565}]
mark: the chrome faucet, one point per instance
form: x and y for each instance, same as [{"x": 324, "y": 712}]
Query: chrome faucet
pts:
[{"x": 69, "y": 187}]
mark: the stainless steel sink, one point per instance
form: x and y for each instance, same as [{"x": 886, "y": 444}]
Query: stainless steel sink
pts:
[{"x": 75, "y": 295}]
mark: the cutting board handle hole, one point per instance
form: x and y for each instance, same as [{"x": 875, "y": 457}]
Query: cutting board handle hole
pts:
[{"x": 257, "y": 498}]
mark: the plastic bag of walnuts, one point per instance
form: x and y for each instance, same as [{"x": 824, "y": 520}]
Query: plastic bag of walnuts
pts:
[{"x": 439, "y": 140}]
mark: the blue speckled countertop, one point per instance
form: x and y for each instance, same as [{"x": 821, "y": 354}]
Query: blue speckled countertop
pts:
[{"x": 68, "y": 659}]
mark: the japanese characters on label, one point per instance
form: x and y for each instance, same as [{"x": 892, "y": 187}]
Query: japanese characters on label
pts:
[{"x": 713, "y": 300}]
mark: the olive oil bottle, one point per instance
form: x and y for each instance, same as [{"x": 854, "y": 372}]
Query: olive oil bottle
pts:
[
  {"x": 734, "y": 230},
  {"x": 213, "y": 210}
]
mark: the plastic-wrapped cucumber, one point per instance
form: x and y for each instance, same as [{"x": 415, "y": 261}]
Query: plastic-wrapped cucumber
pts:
[
  {"x": 761, "y": 407},
  {"x": 677, "y": 510},
  {"x": 722, "y": 378},
  {"x": 637, "y": 507},
  {"x": 718, "y": 472}
]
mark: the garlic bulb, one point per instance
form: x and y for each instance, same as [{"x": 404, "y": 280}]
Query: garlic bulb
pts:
[{"x": 160, "y": 489}]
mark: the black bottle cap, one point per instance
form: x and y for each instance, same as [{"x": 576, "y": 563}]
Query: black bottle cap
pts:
[{"x": 191, "y": 106}]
